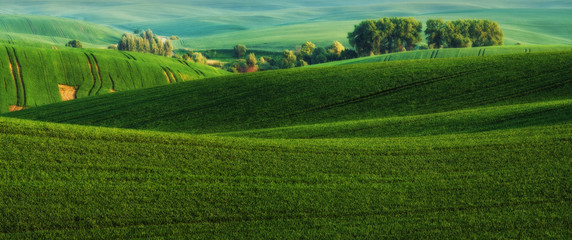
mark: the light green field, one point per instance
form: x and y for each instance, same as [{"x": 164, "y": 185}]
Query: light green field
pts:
[
  {"x": 49, "y": 31},
  {"x": 432, "y": 149},
  {"x": 527, "y": 27},
  {"x": 30, "y": 76},
  {"x": 283, "y": 25}
]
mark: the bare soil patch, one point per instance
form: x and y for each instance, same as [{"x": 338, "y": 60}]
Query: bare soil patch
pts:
[
  {"x": 13, "y": 108},
  {"x": 67, "y": 92}
]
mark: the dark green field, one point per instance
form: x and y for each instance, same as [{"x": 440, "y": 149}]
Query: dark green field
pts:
[
  {"x": 471, "y": 143},
  {"x": 441, "y": 148}
]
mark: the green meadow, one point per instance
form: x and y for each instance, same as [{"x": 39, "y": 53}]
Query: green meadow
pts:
[
  {"x": 31, "y": 75},
  {"x": 287, "y": 154},
  {"x": 471, "y": 143}
]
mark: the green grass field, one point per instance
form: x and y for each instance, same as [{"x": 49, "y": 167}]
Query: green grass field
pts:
[
  {"x": 312, "y": 153},
  {"x": 451, "y": 53},
  {"x": 326, "y": 94},
  {"x": 433, "y": 144},
  {"x": 30, "y": 76}
]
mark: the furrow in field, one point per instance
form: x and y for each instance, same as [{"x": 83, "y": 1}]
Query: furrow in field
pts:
[
  {"x": 387, "y": 91},
  {"x": 98, "y": 73},
  {"x": 11, "y": 71},
  {"x": 167, "y": 76},
  {"x": 173, "y": 75},
  {"x": 23, "y": 87},
  {"x": 92, "y": 75},
  {"x": 565, "y": 72},
  {"x": 112, "y": 84}
]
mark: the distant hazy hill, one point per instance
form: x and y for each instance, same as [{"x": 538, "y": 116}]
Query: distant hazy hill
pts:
[
  {"x": 284, "y": 24},
  {"x": 54, "y": 31}
]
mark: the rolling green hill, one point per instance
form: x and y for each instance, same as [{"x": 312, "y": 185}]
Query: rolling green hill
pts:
[
  {"x": 99, "y": 183},
  {"x": 326, "y": 95},
  {"x": 45, "y": 31},
  {"x": 451, "y": 53},
  {"x": 442, "y": 148},
  {"x": 32, "y": 77}
]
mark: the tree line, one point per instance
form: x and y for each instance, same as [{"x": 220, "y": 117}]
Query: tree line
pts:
[
  {"x": 146, "y": 42},
  {"x": 395, "y": 34},
  {"x": 463, "y": 33},
  {"x": 305, "y": 54}
]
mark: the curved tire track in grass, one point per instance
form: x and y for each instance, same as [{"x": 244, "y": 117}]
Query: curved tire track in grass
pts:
[{"x": 387, "y": 91}]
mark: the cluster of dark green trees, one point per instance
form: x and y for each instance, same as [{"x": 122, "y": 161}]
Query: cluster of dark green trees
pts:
[
  {"x": 386, "y": 35},
  {"x": 146, "y": 42},
  {"x": 463, "y": 33},
  {"x": 389, "y": 35},
  {"x": 74, "y": 44}
]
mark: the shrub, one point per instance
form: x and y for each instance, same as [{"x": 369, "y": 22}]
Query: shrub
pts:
[{"x": 74, "y": 44}]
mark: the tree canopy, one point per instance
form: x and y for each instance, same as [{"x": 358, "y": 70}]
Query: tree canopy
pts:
[
  {"x": 308, "y": 48},
  {"x": 386, "y": 35},
  {"x": 239, "y": 50},
  {"x": 463, "y": 33},
  {"x": 74, "y": 44},
  {"x": 146, "y": 42}
]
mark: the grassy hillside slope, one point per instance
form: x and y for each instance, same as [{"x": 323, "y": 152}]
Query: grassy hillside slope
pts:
[
  {"x": 327, "y": 95},
  {"x": 476, "y": 147},
  {"x": 451, "y": 53},
  {"x": 98, "y": 183},
  {"x": 42, "y": 30},
  {"x": 30, "y": 76}
]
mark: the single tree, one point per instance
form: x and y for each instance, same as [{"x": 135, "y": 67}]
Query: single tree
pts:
[
  {"x": 320, "y": 56},
  {"x": 365, "y": 38},
  {"x": 168, "y": 47},
  {"x": 199, "y": 58},
  {"x": 435, "y": 33},
  {"x": 308, "y": 48},
  {"x": 336, "y": 48},
  {"x": 252, "y": 63},
  {"x": 288, "y": 59},
  {"x": 239, "y": 51}
]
